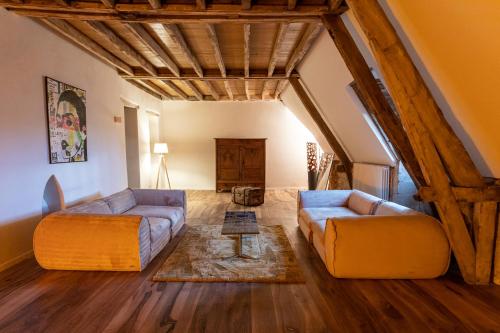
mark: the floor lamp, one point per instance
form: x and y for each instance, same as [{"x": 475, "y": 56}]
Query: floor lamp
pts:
[{"x": 162, "y": 149}]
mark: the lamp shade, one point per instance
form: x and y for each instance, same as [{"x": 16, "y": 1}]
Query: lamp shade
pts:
[{"x": 160, "y": 148}]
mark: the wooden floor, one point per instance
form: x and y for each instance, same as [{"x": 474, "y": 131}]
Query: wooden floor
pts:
[{"x": 34, "y": 300}]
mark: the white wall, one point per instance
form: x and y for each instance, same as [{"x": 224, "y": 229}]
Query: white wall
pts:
[
  {"x": 326, "y": 78},
  {"x": 28, "y": 53},
  {"x": 189, "y": 128}
]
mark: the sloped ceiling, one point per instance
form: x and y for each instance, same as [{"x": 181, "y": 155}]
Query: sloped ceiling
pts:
[
  {"x": 327, "y": 80},
  {"x": 456, "y": 48}
]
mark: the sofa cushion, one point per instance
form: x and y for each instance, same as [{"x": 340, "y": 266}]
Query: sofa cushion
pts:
[
  {"x": 170, "y": 213},
  {"x": 332, "y": 198},
  {"x": 388, "y": 208},
  {"x": 121, "y": 202},
  {"x": 93, "y": 207},
  {"x": 311, "y": 214},
  {"x": 160, "y": 234},
  {"x": 363, "y": 203}
]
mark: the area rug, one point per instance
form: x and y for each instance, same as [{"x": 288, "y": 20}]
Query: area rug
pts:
[{"x": 204, "y": 255}]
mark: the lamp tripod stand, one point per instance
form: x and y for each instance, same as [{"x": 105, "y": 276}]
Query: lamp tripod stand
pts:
[{"x": 163, "y": 163}]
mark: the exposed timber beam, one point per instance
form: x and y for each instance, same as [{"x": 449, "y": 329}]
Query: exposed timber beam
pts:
[
  {"x": 86, "y": 43},
  {"x": 209, "y": 75},
  {"x": 177, "y": 90},
  {"x": 393, "y": 54},
  {"x": 143, "y": 35},
  {"x": 292, "y": 4},
  {"x": 140, "y": 85},
  {"x": 322, "y": 125},
  {"x": 156, "y": 89},
  {"x": 230, "y": 94},
  {"x": 246, "y": 48},
  {"x": 195, "y": 90},
  {"x": 201, "y": 4},
  {"x": 333, "y": 5},
  {"x": 278, "y": 43},
  {"x": 176, "y": 35},
  {"x": 310, "y": 35},
  {"x": 214, "y": 40},
  {"x": 484, "y": 222},
  {"x": 466, "y": 194},
  {"x": 246, "y": 4},
  {"x": 213, "y": 92},
  {"x": 64, "y": 3},
  {"x": 372, "y": 95},
  {"x": 108, "y": 3},
  {"x": 247, "y": 90},
  {"x": 169, "y": 14},
  {"x": 437, "y": 148},
  {"x": 123, "y": 46},
  {"x": 155, "y": 4}
]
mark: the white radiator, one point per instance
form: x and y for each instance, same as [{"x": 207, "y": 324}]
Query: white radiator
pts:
[{"x": 372, "y": 178}]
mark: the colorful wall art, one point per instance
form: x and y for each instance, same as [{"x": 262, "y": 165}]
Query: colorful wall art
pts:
[{"x": 67, "y": 122}]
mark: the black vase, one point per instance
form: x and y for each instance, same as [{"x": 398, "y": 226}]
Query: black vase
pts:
[{"x": 312, "y": 179}]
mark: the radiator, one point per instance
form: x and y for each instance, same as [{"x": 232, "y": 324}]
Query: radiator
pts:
[{"x": 372, "y": 178}]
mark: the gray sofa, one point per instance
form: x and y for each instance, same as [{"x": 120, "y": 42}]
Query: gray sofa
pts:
[{"x": 121, "y": 232}]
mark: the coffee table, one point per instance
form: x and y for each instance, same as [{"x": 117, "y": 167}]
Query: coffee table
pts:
[{"x": 240, "y": 223}]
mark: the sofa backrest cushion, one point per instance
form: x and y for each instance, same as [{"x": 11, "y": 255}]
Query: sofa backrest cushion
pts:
[
  {"x": 332, "y": 198},
  {"x": 388, "y": 208},
  {"x": 363, "y": 203},
  {"x": 121, "y": 202},
  {"x": 93, "y": 207}
]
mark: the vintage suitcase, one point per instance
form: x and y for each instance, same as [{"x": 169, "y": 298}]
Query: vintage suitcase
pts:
[{"x": 248, "y": 196}]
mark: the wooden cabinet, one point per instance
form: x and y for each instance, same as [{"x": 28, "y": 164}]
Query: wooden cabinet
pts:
[{"x": 240, "y": 162}]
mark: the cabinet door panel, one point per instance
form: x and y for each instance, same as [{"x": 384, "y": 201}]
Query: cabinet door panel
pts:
[
  {"x": 228, "y": 158},
  {"x": 253, "y": 163}
]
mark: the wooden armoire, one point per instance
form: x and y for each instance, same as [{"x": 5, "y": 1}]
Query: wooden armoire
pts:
[{"x": 240, "y": 162}]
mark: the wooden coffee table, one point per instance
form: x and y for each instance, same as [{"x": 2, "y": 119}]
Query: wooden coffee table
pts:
[{"x": 240, "y": 223}]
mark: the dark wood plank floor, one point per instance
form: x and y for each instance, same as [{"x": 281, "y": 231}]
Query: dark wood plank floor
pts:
[{"x": 35, "y": 300}]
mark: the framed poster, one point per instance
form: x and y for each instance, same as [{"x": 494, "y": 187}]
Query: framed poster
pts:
[{"x": 67, "y": 122}]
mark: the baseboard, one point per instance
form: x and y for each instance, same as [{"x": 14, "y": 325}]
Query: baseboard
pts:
[{"x": 16, "y": 260}]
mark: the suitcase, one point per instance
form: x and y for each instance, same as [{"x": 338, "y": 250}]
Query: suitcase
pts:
[{"x": 248, "y": 196}]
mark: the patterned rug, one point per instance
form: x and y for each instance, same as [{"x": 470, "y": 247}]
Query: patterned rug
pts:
[{"x": 204, "y": 255}]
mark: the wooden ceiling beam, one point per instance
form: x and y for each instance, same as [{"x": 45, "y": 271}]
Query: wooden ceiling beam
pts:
[
  {"x": 170, "y": 14},
  {"x": 195, "y": 90},
  {"x": 201, "y": 4},
  {"x": 214, "y": 40},
  {"x": 139, "y": 84},
  {"x": 292, "y": 4},
  {"x": 278, "y": 43},
  {"x": 101, "y": 29},
  {"x": 310, "y": 35},
  {"x": 323, "y": 126},
  {"x": 176, "y": 35},
  {"x": 333, "y": 5},
  {"x": 213, "y": 92},
  {"x": 156, "y": 89},
  {"x": 230, "y": 94},
  {"x": 143, "y": 35},
  {"x": 210, "y": 75},
  {"x": 175, "y": 88},
  {"x": 373, "y": 96},
  {"x": 247, "y": 90},
  {"x": 246, "y": 4},
  {"x": 70, "y": 32},
  {"x": 440, "y": 153},
  {"x": 155, "y": 4},
  {"x": 246, "y": 48},
  {"x": 64, "y": 3},
  {"x": 108, "y": 3}
]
